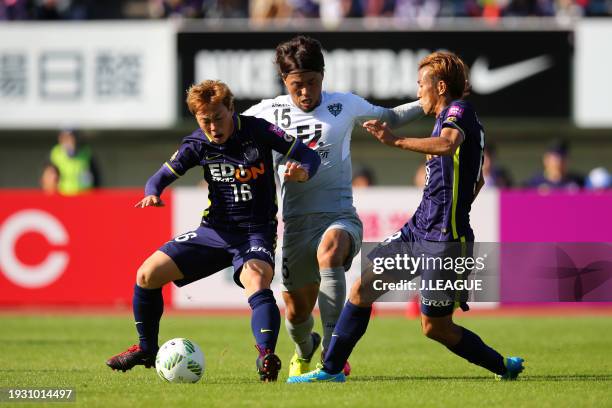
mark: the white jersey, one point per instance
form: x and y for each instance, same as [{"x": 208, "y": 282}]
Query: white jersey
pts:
[{"x": 327, "y": 130}]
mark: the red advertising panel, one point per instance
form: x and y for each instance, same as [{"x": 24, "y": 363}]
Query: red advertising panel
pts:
[{"x": 81, "y": 250}]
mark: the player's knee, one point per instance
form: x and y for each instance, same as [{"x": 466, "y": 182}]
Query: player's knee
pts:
[
  {"x": 332, "y": 253},
  {"x": 145, "y": 276},
  {"x": 331, "y": 257},
  {"x": 255, "y": 277}
]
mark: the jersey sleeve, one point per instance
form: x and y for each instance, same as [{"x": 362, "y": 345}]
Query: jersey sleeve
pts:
[
  {"x": 275, "y": 138},
  {"x": 183, "y": 159},
  {"x": 188, "y": 155},
  {"x": 288, "y": 146},
  {"x": 363, "y": 110},
  {"x": 255, "y": 110},
  {"x": 457, "y": 117}
]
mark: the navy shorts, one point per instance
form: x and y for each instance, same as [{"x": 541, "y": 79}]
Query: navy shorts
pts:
[
  {"x": 434, "y": 303},
  {"x": 205, "y": 251}
]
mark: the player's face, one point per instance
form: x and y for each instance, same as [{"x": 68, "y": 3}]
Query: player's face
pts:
[
  {"x": 305, "y": 89},
  {"x": 427, "y": 91},
  {"x": 217, "y": 122}
]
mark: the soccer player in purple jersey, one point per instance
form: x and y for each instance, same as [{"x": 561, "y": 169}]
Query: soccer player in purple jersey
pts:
[
  {"x": 454, "y": 177},
  {"x": 238, "y": 228}
]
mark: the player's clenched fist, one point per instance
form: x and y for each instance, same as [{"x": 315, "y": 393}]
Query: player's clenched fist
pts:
[
  {"x": 150, "y": 201},
  {"x": 295, "y": 172}
]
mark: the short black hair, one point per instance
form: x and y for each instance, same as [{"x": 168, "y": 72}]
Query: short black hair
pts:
[
  {"x": 559, "y": 147},
  {"x": 301, "y": 53}
]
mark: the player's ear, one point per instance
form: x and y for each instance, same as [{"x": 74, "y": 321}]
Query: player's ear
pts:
[{"x": 441, "y": 85}]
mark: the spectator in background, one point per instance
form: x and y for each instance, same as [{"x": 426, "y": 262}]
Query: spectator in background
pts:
[
  {"x": 363, "y": 176},
  {"x": 556, "y": 174},
  {"x": 225, "y": 9},
  {"x": 494, "y": 175},
  {"x": 525, "y": 8},
  {"x": 264, "y": 10},
  {"x": 13, "y": 9},
  {"x": 49, "y": 180},
  {"x": 304, "y": 8},
  {"x": 51, "y": 9},
  {"x": 176, "y": 8},
  {"x": 598, "y": 179},
  {"x": 424, "y": 12},
  {"x": 77, "y": 169}
]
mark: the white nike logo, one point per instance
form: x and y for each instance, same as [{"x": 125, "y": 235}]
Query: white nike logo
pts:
[
  {"x": 213, "y": 156},
  {"x": 264, "y": 330},
  {"x": 138, "y": 323},
  {"x": 334, "y": 335},
  {"x": 487, "y": 81}
]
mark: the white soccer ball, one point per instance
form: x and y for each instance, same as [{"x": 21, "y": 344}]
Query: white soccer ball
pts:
[{"x": 180, "y": 361}]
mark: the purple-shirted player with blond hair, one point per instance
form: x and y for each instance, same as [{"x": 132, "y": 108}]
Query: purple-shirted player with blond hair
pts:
[
  {"x": 454, "y": 178},
  {"x": 238, "y": 228}
]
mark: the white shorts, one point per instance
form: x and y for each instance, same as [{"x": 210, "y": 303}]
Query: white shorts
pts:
[{"x": 301, "y": 240}]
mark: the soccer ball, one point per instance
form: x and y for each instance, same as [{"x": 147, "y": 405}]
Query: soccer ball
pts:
[{"x": 180, "y": 361}]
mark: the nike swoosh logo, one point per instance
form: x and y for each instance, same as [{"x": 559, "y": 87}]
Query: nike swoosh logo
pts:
[
  {"x": 334, "y": 335},
  {"x": 264, "y": 330},
  {"x": 138, "y": 323},
  {"x": 213, "y": 156},
  {"x": 487, "y": 81}
]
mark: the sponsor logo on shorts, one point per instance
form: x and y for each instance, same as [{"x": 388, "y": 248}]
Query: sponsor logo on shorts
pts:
[
  {"x": 260, "y": 249},
  {"x": 436, "y": 303}
]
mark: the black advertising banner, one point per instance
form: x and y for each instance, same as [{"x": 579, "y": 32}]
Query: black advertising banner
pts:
[{"x": 508, "y": 68}]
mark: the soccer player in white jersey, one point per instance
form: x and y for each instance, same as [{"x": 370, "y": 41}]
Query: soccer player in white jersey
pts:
[{"x": 322, "y": 230}]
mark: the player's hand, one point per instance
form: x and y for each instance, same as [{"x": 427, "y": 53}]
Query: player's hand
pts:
[
  {"x": 380, "y": 131},
  {"x": 150, "y": 201},
  {"x": 295, "y": 172}
]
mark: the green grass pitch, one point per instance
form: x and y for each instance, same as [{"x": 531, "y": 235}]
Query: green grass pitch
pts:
[{"x": 569, "y": 363}]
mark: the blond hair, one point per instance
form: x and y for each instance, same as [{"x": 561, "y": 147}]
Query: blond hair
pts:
[
  {"x": 448, "y": 67},
  {"x": 209, "y": 92}
]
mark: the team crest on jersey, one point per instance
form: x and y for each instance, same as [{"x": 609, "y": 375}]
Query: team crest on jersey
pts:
[
  {"x": 251, "y": 153},
  {"x": 335, "y": 108}
]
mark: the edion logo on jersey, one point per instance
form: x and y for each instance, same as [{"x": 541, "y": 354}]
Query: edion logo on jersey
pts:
[{"x": 228, "y": 173}]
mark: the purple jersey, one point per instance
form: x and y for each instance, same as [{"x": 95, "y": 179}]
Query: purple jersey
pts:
[
  {"x": 239, "y": 172},
  {"x": 444, "y": 211}
]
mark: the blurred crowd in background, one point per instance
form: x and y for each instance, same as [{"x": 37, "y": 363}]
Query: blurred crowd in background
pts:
[
  {"x": 555, "y": 174},
  {"x": 326, "y": 10},
  {"x": 72, "y": 169}
]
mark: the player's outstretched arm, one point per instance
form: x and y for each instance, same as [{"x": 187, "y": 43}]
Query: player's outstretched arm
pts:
[
  {"x": 155, "y": 185},
  {"x": 444, "y": 145},
  {"x": 402, "y": 114}
]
